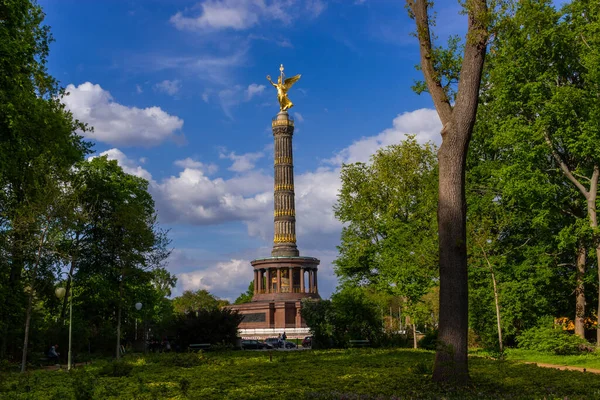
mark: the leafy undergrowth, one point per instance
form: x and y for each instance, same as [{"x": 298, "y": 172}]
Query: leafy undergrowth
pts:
[
  {"x": 363, "y": 374},
  {"x": 585, "y": 360}
]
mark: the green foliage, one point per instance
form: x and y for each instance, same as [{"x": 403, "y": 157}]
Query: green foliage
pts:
[
  {"x": 388, "y": 207},
  {"x": 539, "y": 96},
  {"x": 116, "y": 369},
  {"x": 246, "y": 297},
  {"x": 214, "y": 326},
  {"x": 190, "y": 301},
  {"x": 429, "y": 341},
  {"x": 83, "y": 384},
  {"x": 550, "y": 339},
  {"x": 350, "y": 314},
  {"x": 334, "y": 374}
]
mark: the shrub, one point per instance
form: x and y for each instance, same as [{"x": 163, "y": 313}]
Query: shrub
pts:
[
  {"x": 184, "y": 360},
  {"x": 549, "y": 339},
  {"x": 116, "y": 369},
  {"x": 83, "y": 384},
  {"x": 429, "y": 341}
]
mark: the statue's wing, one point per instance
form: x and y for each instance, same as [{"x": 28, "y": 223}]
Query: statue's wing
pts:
[{"x": 290, "y": 81}]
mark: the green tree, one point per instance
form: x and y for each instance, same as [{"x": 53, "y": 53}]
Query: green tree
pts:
[
  {"x": 388, "y": 207},
  {"x": 350, "y": 314},
  {"x": 246, "y": 297},
  {"x": 125, "y": 246},
  {"x": 191, "y": 301},
  {"x": 38, "y": 144},
  {"x": 550, "y": 104},
  {"x": 454, "y": 87}
]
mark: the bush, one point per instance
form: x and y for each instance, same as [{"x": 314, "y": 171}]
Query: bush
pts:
[
  {"x": 116, "y": 369},
  {"x": 429, "y": 341},
  {"x": 549, "y": 339},
  {"x": 184, "y": 360},
  {"x": 83, "y": 384}
]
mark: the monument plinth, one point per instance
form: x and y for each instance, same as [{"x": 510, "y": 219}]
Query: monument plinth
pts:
[{"x": 284, "y": 279}]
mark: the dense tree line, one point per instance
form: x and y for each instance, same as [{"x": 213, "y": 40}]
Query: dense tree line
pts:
[{"x": 65, "y": 220}]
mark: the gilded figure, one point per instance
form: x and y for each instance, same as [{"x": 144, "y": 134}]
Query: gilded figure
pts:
[{"x": 282, "y": 86}]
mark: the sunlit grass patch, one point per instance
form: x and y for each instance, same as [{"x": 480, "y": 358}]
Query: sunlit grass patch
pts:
[{"x": 363, "y": 374}]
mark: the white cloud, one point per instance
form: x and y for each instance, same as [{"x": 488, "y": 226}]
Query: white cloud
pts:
[
  {"x": 169, "y": 87},
  {"x": 234, "y": 95},
  {"x": 196, "y": 199},
  {"x": 214, "y": 68},
  {"x": 233, "y": 14},
  {"x": 298, "y": 117},
  {"x": 243, "y": 162},
  {"x": 117, "y": 124},
  {"x": 227, "y": 279},
  {"x": 424, "y": 123},
  {"x": 193, "y": 198},
  {"x": 254, "y": 89},
  {"x": 139, "y": 89},
  {"x": 193, "y": 164},
  {"x": 315, "y": 7},
  {"x": 129, "y": 166}
]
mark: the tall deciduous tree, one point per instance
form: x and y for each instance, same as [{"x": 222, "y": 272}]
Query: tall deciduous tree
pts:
[
  {"x": 125, "y": 245},
  {"x": 38, "y": 142},
  {"x": 388, "y": 207},
  {"x": 202, "y": 299},
  {"x": 458, "y": 118},
  {"x": 544, "y": 90},
  {"x": 246, "y": 297}
]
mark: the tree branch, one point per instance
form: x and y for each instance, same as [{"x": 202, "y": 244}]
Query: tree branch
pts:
[
  {"x": 472, "y": 66},
  {"x": 563, "y": 166},
  {"x": 434, "y": 83}
]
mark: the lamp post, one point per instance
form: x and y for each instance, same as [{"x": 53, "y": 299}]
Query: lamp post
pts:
[
  {"x": 138, "y": 306},
  {"x": 60, "y": 293}
]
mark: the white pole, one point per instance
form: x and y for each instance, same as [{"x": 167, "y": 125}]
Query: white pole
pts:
[{"x": 70, "y": 324}]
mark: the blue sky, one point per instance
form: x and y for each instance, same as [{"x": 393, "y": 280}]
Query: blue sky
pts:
[{"x": 176, "y": 92}]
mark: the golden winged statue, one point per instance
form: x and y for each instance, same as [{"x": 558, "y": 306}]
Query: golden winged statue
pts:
[{"x": 282, "y": 86}]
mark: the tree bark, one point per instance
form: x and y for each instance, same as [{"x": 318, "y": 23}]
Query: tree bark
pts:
[
  {"x": 580, "y": 292},
  {"x": 451, "y": 362}
]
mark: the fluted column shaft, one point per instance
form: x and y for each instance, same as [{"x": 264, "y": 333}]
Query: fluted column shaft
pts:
[
  {"x": 302, "y": 288},
  {"x": 278, "y": 280},
  {"x": 284, "y": 241}
]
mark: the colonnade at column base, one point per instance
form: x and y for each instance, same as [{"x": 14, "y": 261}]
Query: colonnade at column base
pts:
[{"x": 285, "y": 278}]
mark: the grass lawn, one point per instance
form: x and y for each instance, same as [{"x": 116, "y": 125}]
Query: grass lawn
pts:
[
  {"x": 590, "y": 360},
  {"x": 328, "y": 374}
]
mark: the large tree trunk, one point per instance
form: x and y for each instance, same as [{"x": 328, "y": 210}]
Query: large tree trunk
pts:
[
  {"x": 451, "y": 357},
  {"x": 457, "y": 120},
  {"x": 580, "y": 292}
]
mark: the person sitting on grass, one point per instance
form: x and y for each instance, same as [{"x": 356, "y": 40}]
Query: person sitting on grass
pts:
[{"x": 53, "y": 354}]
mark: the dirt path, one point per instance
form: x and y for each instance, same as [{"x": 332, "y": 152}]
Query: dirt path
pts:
[{"x": 564, "y": 367}]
